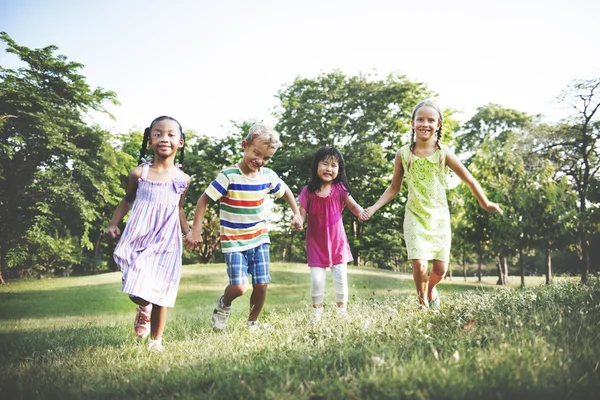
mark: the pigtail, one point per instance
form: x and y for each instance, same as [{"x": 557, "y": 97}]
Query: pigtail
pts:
[
  {"x": 144, "y": 145},
  {"x": 439, "y": 146},
  {"x": 182, "y": 150},
  {"x": 412, "y": 147}
]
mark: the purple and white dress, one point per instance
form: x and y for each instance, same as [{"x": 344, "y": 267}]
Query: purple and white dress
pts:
[{"x": 149, "y": 251}]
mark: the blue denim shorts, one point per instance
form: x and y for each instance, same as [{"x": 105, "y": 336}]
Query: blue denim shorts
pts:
[{"x": 253, "y": 261}]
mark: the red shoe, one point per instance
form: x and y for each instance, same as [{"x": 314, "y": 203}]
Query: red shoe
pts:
[{"x": 141, "y": 325}]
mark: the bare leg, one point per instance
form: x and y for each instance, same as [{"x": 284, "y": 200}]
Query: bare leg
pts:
[
  {"x": 438, "y": 271},
  {"x": 232, "y": 292},
  {"x": 421, "y": 280},
  {"x": 257, "y": 300},
  {"x": 158, "y": 321},
  {"x": 139, "y": 301}
]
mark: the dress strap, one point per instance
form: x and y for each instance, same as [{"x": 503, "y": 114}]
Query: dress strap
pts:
[{"x": 145, "y": 169}]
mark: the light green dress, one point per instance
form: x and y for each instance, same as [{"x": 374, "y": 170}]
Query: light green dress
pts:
[{"x": 427, "y": 217}]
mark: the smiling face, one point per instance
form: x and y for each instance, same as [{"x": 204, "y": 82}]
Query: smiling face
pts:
[
  {"x": 165, "y": 138},
  {"x": 256, "y": 156},
  {"x": 426, "y": 122},
  {"x": 328, "y": 169}
]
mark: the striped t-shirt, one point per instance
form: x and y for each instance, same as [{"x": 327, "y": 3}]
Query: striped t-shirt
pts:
[{"x": 242, "y": 223}]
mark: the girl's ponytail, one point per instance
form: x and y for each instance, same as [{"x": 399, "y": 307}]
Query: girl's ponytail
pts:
[{"x": 144, "y": 145}]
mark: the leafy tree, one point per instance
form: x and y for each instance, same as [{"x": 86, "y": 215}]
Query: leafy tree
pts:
[
  {"x": 54, "y": 168},
  {"x": 574, "y": 145},
  {"x": 365, "y": 118}
]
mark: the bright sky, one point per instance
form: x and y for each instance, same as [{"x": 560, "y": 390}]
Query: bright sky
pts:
[{"x": 209, "y": 62}]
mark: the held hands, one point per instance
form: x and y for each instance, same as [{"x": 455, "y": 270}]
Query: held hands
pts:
[
  {"x": 365, "y": 214},
  {"x": 297, "y": 222},
  {"x": 192, "y": 240},
  {"x": 111, "y": 232}
]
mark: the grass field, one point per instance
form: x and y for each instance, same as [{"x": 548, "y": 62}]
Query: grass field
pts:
[{"x": 72, "y": 338}]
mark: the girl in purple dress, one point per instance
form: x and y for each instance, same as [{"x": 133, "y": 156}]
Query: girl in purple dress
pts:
[
  {"x": 149, "y": 252},
  {"x": 323, "y": 201}
]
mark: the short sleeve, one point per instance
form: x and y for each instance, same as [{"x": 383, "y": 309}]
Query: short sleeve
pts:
[
  {"x": 218, "y": 187},
  {"x": 303, "y": 198},
  {"x": 277, "y": 185}
]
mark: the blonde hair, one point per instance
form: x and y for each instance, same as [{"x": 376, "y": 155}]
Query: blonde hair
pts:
[
  {"x": 439, "y": 133},
  {"x": 265, "y": 134}
]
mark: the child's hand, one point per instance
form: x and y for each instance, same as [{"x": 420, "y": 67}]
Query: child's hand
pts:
[
  {"x": 111, "y": 232},
  {"x": 192, "y": 240},
  {"x": 365, "y": 214},
  {"x": 493, "y": 207},
  {"x": 297, "y": 222}
]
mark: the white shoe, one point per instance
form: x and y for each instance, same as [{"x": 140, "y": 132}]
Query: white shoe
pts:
[
  {"x": 220, "y": 315},
  {"x": 253, "y": 326},
  {"x": 155, "y": 345}
]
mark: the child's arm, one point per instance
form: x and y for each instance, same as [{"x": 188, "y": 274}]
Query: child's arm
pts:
[
  {"x": 459, "y": 169},
  {"x": 303, "y": 214},
  {"x": 182, "y": 218},
  {"x": 289, "y": 198},
  {"x": 389, "y": 193},
  {"x": 112, "y": 231},
  {"x": 353, "y": 205},
  {"x": 194, "y": 236}
]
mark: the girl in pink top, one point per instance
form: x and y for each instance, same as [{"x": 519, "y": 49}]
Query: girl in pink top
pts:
[{"x": 323, "y": 201}]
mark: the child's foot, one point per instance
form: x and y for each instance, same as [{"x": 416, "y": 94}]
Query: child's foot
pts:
[
  {"x": 435, "y": 304},
  {"x": 252, "y": 326},
  {"x": 342, "y": 313},
  {"x": 220, "y": 315},
  {"x": 141, "y": 324},
  {"x": 155, "y": 345},
  {"x": 318, "y": 313}
]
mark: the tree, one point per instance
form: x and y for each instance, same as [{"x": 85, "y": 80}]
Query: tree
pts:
[
  {"x": 52, "y": 164},
  {"x": 365, "y": 118},
  {"x": 575, "y": 145}
]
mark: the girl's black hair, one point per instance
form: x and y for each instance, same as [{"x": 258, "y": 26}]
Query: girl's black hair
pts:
[
  {"x": 326, "y": 152},
  {"x": 146, "y": 139}
]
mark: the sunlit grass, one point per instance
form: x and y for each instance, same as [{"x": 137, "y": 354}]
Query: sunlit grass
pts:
[{"x": 73, "y": 338}]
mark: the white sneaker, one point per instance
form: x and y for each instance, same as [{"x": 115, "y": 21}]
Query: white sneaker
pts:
[
  {"x": 155, "y": 345},
  {"x": 253, "y": 325},
  {"x": 220, "y": 315},
  {"x": 317, "y": 314}
]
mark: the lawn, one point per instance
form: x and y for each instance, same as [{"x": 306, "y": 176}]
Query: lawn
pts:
[{"x": 72, "y": 338}]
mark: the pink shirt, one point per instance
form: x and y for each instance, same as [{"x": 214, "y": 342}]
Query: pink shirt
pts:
[{"x": 326, "y": 240}]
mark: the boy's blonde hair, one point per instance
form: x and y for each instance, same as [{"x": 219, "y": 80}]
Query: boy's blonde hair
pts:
[{"x": 265, "y": 134}]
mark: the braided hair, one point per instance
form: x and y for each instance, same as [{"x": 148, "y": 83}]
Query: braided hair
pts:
[
  {"x": 439, "y": 132},
  {"x": 323, "y": 153},
  {"x": 146, "y": 139}
]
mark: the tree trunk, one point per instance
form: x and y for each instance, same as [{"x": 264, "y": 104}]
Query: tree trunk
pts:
[
  {"x": 502, "y": 269},
  {"x": 464, "y": 265},
  {"x": 522, "y": 266},
  {"x": 585, "y": 256},
  {"x": 479, "y": 267},
  {"x": 2, "y": 282},
  {"x": 548, "y": 265},
  {"x": 97, "y": 257}
]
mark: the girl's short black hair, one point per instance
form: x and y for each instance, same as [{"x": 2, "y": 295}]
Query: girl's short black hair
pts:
[
  {"x": 323, "y": 153},
  {"x": 146, "y": 138}
]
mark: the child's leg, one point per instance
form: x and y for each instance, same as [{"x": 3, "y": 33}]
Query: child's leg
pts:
[
  {"x": 232, "y": 292},
  {"x": 257, "y": 300},
  {"x": 158, "y": 321},
  {"x": 421, "y": 279},
  {"x": 317, "y": 286},
  {"x": 339, "y": 274},
  {"x": 139, "y": 301},
  {"x": 438, "y": 271}
]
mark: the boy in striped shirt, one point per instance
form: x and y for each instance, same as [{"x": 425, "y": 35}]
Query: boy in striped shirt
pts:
[{"x": 241, "y": 190}]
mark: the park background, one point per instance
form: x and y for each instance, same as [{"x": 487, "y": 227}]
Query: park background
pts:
[{"x": 518, "y": 82}]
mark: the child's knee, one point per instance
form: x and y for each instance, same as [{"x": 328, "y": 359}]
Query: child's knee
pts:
[{"x": 260, "y": 287}]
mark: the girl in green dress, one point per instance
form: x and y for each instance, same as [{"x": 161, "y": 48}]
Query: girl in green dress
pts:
[{"x": 423, "y": 164}]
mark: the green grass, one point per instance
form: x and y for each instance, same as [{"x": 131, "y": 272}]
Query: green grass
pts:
[{"x": 71, "y": 338}]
